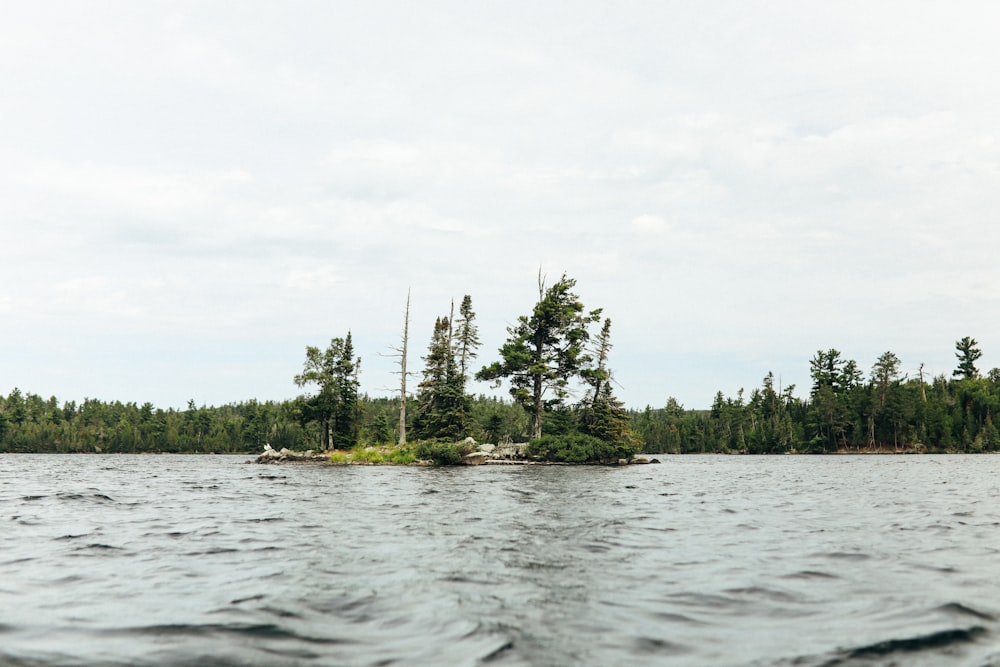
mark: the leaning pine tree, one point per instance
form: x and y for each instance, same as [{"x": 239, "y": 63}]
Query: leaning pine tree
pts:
[{"x": 545, "y": 350}]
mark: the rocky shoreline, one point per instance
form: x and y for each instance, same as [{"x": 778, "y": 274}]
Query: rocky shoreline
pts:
[{"x": 485, "y": 454}]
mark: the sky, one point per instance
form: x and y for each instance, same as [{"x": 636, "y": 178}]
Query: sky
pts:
[{"x": 193, "y": 192}]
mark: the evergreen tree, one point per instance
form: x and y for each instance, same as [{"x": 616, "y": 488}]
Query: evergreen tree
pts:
[
  {"x": 771, "y": 430},
  {"x": 335, "y": 405},
  {"x": 381, "y": 429},
  {"x": 466, "y": 336},
  {"x": 442, "y": 405},
  {"x": 602, "y": 415},
  {"x": 545, "y": 350},
  {"x": 345, "y": 422},
  {"x": 883, "y": 413},
  {"x": 830, "y": 415},
  {"x": 968, "y": 353}
]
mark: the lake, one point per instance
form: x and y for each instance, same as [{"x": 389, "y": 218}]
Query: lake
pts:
[{"x": 703, "y": 560}]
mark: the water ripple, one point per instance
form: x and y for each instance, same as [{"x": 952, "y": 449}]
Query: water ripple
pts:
[{"x": 735, "y": 561}]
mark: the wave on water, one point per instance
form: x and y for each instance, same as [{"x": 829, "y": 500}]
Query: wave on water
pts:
[
  {"x": 962, "y": 610},
  {"x": 251, "y": 630},
  {"x": 970, "y": 646},
  {"x": 68, "y": 496},
  {"x": 936, "y": 648}
]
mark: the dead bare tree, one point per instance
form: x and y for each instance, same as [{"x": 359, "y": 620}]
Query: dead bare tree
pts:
[
  {"x": 401, "y": 354},
  {"x": 402, "y": 372}
]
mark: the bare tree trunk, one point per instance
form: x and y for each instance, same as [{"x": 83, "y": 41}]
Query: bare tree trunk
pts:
[
  {"x": 451, "y": 328},
  {"x": 538, "y": 388},
  {"x": 402, "y": 373},
  {"x": 923, "y": 394},
  {"x": 536, "y": 418}
]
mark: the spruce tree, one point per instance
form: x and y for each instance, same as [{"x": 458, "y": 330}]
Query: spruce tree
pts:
[
  {"x": 466, "y": 336},
  {"x": 346, "y": 419},
  {"x": 442, "y": 406},
  {"x": 602, "y": 415}
]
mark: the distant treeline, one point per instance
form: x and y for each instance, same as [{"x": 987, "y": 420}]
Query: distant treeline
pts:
[
  {"x": 30, "y": 423},
  {"x": 845, "y": 411}
]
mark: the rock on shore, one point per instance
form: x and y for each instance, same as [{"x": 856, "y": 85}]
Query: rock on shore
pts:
[{"x": 271, "y": 455}]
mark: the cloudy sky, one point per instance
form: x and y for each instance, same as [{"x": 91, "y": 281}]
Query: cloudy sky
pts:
[{"x": 193, "y": 192}]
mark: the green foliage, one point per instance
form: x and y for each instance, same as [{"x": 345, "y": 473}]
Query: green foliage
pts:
[
  {"x": 496, "y": 419},
  {"x": 466, "y": 341},
  {"x": 334, "y": 371},
  {"x": 401, "y": 456},
  {"x": 32, "y": 424},
  {"x": 968, "y": 354},
  {"x": 843, "y": 412},
  {"x": 834, "y": 381},
  {"x": 367, "y": 455},
  {"x": 560, "y": 421},
  {"x": 442, "y": 404},
  {"x": 602, "y": 415},
  {"x": 545, "y": 350},
  {"x": 444, "y": 409},
  {"x": 888, "y": 413},
  {"x": 578, "y": 448},
  {"x": 374, "y": 456},
  {"x": 442, "y": 453},
  {"x": 380, "y": 430}
]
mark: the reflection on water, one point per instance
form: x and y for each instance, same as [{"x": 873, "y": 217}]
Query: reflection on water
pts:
[{"x": 164, "y": 560}]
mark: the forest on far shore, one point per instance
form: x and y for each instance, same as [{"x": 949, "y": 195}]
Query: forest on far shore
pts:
[
  {"x": 846, "y": 410},
  {"x": 561, "y": 385}
]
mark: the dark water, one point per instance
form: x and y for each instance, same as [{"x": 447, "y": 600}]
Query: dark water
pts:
[{"x": 794, "y": 561}]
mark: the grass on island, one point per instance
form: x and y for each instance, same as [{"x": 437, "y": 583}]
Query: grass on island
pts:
[
  {"x": 382, "y": 455},
  {"x": 430, "y": 451},
  {"x": 573, "y": 448}
]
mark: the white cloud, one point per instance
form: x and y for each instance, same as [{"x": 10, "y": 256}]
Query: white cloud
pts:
[
  {"x": 93, "y": 297},
  {"x": 650, "y": 225},
  {"x": 127, "y": 191},
  {"x": 321, "y": 278}
]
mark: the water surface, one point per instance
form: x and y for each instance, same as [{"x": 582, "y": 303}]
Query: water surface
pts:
[{"x": 812, "y": 561}]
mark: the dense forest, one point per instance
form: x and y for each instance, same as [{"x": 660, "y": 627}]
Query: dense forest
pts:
[
  {"x": 561, "y": 401},
  {"x": 549, "y": 353},
  {"x": 30, "y": 423},
  {"x": 845, "y": 411}
]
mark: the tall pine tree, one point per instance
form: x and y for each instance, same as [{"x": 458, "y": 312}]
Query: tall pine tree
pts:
[{"x": 545, "y": 350}]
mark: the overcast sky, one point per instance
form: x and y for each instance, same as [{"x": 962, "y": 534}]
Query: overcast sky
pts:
[{"x": 193, "y": 192}]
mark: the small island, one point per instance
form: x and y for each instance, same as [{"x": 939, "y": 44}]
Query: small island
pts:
[
  {"x": 548, "y": 353},
  {"x": 467, "y": 452}
]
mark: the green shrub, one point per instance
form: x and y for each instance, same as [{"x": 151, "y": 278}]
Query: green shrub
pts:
[
  {"x": 375, "y": 455},
  {"x": 366, "y": 455},
  {"x": 578, "y": 448},
  {"x": 442, "y": 453},
  {"x": 400, "y": 456}
]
